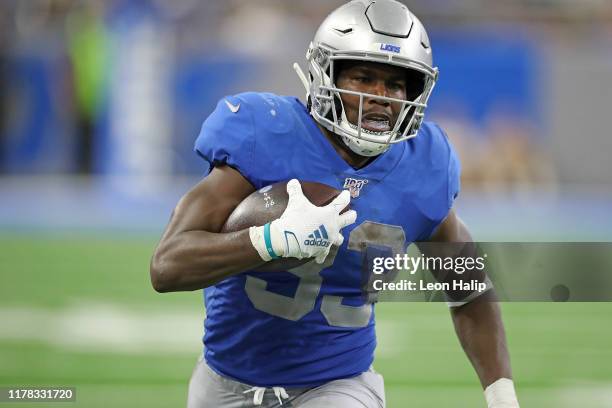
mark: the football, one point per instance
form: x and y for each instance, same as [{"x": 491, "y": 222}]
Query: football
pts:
[{"x": 268, "y": 204}]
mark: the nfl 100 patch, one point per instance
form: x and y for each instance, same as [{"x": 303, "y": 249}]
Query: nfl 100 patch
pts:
[{"x": 354, "y": 186}]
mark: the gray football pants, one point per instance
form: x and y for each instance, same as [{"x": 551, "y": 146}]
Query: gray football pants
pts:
[{"x": 207, "y": 389}]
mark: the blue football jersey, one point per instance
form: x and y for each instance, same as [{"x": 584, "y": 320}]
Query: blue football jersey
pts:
[{"x": 312, "y": 324}]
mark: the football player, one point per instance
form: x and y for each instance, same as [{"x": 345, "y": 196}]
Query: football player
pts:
[{"x": 305, "y": 337}]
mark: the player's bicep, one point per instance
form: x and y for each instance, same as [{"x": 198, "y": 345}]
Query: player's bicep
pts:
[
  {"x": 453, "y": 240},
  {"x": 452, "y": 229},
  {"x": 208, "y": 204}
]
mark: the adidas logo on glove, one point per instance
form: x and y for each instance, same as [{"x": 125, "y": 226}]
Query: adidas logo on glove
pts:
[
  {"x": 292, "y": 235},
  {"x": 318, "y": 238}
]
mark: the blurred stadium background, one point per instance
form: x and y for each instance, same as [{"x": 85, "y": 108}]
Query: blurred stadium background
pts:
[{"x": 100, "y": 102}]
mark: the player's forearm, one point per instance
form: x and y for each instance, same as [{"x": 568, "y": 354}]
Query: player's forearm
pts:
[
  {"x": 481, "y": 332},
  {"x": 194, "y": 260}
]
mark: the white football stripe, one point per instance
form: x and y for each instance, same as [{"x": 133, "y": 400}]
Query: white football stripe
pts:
[{"x": 100, "y": 327}]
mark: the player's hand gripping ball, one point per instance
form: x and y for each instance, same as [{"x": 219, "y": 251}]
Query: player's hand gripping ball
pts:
[{"x": 293, "y": 222}]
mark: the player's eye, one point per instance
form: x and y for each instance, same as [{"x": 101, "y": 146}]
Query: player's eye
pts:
[
  {"x": 396, "y": 86},
  {"x": 362, "y": 79}
]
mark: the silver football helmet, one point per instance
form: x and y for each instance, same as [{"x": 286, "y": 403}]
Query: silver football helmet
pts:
[{"x": 382, "y": 31}]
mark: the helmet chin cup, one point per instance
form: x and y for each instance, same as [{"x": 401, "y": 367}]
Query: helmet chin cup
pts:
[
  {"x": 365, "y": 148},
  {"x": 360, "y": 146}
]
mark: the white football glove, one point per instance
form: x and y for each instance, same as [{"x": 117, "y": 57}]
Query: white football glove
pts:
[{"x": 303, "y": 230}]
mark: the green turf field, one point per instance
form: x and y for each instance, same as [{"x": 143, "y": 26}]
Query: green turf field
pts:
[{"x": 80, "y": 312}]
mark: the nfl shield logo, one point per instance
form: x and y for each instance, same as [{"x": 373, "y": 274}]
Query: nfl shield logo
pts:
[{"x": 354, "y": 186}]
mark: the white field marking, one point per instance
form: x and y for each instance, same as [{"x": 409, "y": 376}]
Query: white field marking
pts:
[
  {"x": 106, "y": 328},
  {"x": 396, "y": 334},
  {"x": 585, "y": 394},
  {"x": 389, "y": 344},
  {"x": 115, "y": 328}
]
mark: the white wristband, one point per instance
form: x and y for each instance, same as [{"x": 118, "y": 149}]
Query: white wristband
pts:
[{"x": 501, "y": 394}]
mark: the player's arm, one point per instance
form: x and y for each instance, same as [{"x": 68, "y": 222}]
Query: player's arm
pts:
[
  {"x": 480, "y": 330},
  {"x": 192, "y": 254}
]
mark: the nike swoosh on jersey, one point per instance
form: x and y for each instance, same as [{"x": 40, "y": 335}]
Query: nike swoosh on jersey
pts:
[{"x": 233, "y": 108}]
